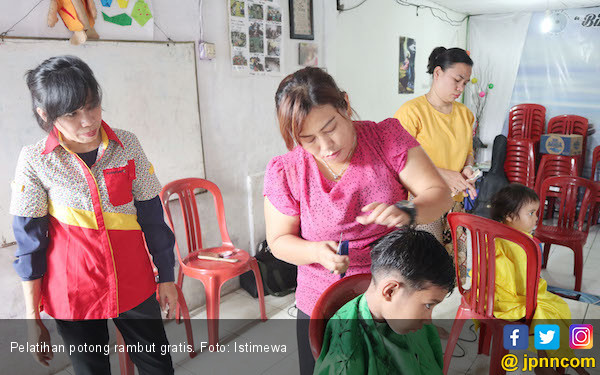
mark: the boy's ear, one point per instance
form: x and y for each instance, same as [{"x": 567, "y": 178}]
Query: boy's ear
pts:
[
  {"x": 390, "y": 288},
  {"x": 509, "y": 218}
]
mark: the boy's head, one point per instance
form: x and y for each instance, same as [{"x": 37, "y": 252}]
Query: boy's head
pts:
[
  {"x": 411, "y": 273},
  {"x": 516, "y": 205}
]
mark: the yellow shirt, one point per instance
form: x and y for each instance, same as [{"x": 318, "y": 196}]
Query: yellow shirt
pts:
[{"x": 446, "y": 138}]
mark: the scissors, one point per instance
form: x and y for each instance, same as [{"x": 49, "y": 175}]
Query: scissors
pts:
[{"x": 342, "y": 250}]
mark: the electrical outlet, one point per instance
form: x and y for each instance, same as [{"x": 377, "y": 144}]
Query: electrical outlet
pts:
[{"x": 206, "y": 51}]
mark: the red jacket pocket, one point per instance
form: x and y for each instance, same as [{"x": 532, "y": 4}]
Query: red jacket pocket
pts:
[{"x": 119, "y": 183}]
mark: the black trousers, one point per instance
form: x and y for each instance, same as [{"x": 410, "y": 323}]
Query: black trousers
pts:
[
  {"x": 305, "y": 357},
  {"x": 141, "y": 326}
]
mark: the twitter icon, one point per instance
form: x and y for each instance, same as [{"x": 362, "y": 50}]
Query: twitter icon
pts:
[{"x": 547, "y": 337}]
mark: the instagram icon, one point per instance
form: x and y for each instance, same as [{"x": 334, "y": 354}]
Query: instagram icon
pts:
[{"x": 581, "y": 336}]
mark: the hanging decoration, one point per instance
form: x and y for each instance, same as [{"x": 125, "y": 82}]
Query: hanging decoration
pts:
[
  {"x": 77, "y": 15},
  {"x": 141, "y": 12},
  {"x": 120, "y": 19},
  {"x": 478, "y": 91}
]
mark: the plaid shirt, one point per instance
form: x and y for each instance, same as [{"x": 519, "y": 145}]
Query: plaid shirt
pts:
[{"x": 97, "y": 263}]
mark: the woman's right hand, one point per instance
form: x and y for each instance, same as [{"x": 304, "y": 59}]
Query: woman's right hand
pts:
[
  {"x": 457, "y": 182},
  {"x": 327, "y": 256},
  {"x": 37, "y": 333}
]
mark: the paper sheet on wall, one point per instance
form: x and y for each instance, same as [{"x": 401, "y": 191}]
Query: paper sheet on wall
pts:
[
  {"x": 122, "y": 12},
  {"x": 255, "y": 36}
]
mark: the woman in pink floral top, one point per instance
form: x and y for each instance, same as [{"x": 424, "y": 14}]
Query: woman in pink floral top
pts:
[{"x": 339, "y": 177}]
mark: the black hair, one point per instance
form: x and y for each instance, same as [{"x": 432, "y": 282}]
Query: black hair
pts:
[
  {"x": 509, "y": 200},
  {"x": 445, "y": 58},
  {"x": 61, "y": 85},
  {"x": 417, "y": 256}
]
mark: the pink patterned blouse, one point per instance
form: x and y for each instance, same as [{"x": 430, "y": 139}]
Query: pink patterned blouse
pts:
[{"x": 294, "y": 185}]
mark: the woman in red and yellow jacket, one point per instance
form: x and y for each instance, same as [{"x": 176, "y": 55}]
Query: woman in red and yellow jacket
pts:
[{"x": 83, "y": 199}]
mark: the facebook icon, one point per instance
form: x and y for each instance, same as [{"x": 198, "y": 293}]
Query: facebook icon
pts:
[{"x": 516, "y": 336}]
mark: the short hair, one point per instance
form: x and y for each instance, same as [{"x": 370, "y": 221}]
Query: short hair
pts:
[
  {"x": 300, "y": 92},
  {"x": 445, "y": 58},
  {"x": 509, "y": 200},
  {"x": 61, "y": 85},
  {"x": 415, "y": 255}
]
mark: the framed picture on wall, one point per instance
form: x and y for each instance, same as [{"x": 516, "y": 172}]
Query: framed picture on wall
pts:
[
  {"x": 308, "y": 54},
  {"x": 406, "y": 66},
  {"x": 301, "y": 19}
]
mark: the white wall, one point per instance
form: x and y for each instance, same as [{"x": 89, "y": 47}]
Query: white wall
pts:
[{"x": 367, "y": 47}]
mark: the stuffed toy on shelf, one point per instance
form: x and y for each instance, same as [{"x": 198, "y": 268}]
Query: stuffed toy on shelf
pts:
[{"x": 77, "y": 15}]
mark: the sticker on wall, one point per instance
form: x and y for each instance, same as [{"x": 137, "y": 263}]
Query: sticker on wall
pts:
[
  {"x": 123, "y": 3},
  {"x": 106, "y": 3},
  {"x": 120, "y": 19},
  {"x": 406, "y": 70},
  {"x": 141, "y": 12}
]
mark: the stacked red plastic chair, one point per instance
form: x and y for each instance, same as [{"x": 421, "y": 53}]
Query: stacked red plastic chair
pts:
[
  {"x": 571, "y": 124},
  {"x": 554, "y": 165},
  {"x": 526, "y": 121},
  {"x": 595, "y": 160},
  {"x": 519, "y": 165}
]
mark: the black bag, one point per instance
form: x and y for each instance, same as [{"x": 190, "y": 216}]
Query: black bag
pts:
[
  {"x": 279, "y": 277},
  {"x": 493, "y": 181}
]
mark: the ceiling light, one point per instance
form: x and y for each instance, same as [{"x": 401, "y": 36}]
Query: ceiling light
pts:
[{"x": 547, "y": 22}]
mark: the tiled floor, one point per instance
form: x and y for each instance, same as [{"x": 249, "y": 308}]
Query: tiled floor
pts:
[{"x": 281, "y": 328}]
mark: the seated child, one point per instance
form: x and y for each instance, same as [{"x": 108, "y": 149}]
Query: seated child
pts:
[
  {"x": 387, "y": 329},
  {"x": 516, "y": 206}
]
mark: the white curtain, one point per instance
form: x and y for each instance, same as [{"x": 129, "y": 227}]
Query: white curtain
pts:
[
  {"x": 495, "y": 43},
  {"x": 560, "y": 70}
]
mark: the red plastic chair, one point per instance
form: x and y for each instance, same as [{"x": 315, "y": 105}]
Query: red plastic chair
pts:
[
  {"x": 554, "y": 165},
  {"x": 571, "y": 229},
  {"x": 125, "y": 363},
  {"x": 483, "y": 233},
  {"x": 526, "y": 121},
  {"x": 519, "y": 165},
  {"x": 332, "y": 299},
  {"x": 571, "y": 124},
  {"x": 595, "y": 160},
  {"x": 211, "y": 273}
]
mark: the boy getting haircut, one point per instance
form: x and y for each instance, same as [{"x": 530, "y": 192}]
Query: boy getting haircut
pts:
[{"x": 387, "y": 329}]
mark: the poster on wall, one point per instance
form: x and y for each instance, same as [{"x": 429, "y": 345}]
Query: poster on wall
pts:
[
  {"x": 255, "y": 36},
  {"x": 406, "y": 70}
]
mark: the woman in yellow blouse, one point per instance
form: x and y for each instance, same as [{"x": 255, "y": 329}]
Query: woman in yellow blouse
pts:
[{"x": 444, "y": 128}]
